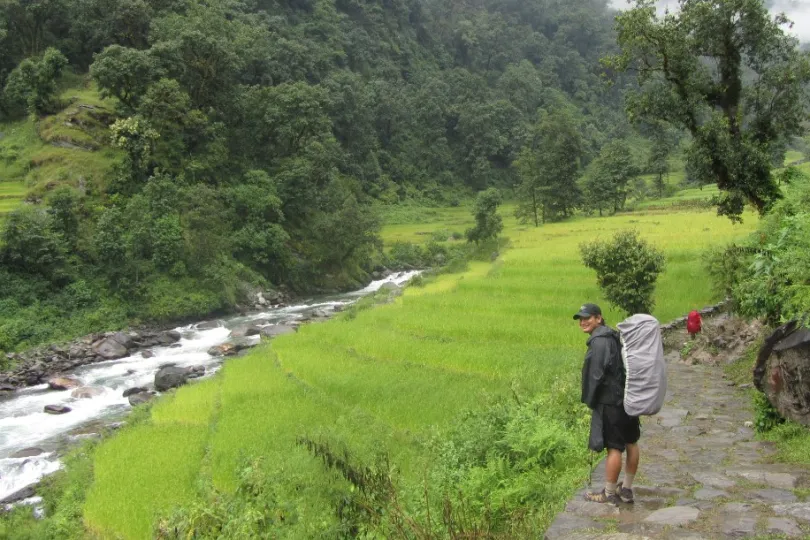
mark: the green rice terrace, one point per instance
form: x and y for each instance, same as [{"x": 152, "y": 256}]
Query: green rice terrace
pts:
[{"x": 401, "y": 391}]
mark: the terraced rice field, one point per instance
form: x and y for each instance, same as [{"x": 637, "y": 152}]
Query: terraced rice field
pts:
[{"x": 393, "y": 377}]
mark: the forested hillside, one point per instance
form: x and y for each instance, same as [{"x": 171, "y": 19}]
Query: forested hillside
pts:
[{"x": 245, "y": 143}]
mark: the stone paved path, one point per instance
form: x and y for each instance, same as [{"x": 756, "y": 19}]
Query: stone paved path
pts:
[{"x": 703, "y": 474}]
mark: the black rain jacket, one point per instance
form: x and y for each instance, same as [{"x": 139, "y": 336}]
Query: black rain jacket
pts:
[{"x": 603, "y": 370}]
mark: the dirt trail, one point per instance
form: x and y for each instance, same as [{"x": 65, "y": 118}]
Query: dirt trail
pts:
[{"x": 703, "y": 474}]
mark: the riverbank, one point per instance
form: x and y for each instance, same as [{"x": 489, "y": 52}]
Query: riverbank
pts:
[{"x": 38, "y": 423}]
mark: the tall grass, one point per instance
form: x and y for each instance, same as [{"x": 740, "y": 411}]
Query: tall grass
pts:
[{"x": 403, "y": 380}]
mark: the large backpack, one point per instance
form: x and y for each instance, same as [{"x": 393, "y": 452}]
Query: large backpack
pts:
[{"x": 645, "y": 384}]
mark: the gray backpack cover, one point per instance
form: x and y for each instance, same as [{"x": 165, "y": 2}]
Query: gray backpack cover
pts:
[{"x": 646, "y": 371}]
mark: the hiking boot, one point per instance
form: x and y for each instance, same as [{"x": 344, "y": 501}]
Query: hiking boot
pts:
[
  {"x": 625, "y": 494},
  {"x": 602, "y": 497}
]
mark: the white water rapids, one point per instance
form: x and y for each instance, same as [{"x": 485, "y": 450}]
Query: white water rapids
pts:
[{"x": 24, "y": 425}]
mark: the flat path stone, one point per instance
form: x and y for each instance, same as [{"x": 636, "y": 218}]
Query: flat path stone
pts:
[
  {"x": 797, "y": 510},
  {"x": 708, "y": 494},
  {"x": 703, "y": 474},
  {"x": 567, "y": 525},
  {"x": 783, "y": 526},
  {"x": 674, "y": 516}
]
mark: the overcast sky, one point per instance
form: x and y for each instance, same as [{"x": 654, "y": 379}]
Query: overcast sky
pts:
[{"x": 797, "y": 10}]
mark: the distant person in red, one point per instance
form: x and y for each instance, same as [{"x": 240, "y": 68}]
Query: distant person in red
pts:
[{"x": 693, "y": 323}]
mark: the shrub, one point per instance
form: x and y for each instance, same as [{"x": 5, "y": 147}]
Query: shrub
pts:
[
  {"x": 488, "y": 224},
  {"x": 626, "y": 270},
  {"x": 766, "y": 417}
]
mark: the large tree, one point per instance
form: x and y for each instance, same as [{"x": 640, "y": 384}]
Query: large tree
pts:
[
  {"x": 548, "y": 169},
  {"x": 726, "y": 71}
]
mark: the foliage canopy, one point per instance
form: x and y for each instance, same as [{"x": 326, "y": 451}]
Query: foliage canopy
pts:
[{"x": 726, "y": 72}]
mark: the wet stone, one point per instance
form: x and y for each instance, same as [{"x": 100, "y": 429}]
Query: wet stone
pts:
[
  {"x": 784, "y": 526},
  {"x": 774, "y": 479},
  {"x": 606, "y": 536},
  {"x": 737, "y": 526},
  {"x": 566, "y": 523},
  {"x": 708, "y": 494},
  {"x": 773, "y": 495},
  {"x": 27, "y": 452},
  {"x": 684, "y": 535},
  {"x": 713, "y": 480},
  {"x": 737, "y": 508},
  {"x": 672, "y": 417},
  {"x": 651, "y": 491},
  {"x": 591, "y": 509},
  {"x": 796, "y": 510},
  {"x": 674, "y": 516}
]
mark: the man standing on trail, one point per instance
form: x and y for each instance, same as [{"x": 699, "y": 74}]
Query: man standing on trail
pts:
[{"x": 603, "y": 380}]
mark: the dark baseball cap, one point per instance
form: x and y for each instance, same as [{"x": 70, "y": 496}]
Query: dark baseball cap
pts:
[{"x": 588, "y": 310}]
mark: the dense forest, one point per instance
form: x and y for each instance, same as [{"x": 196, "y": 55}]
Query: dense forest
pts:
[{"x": 255, "y": 138}]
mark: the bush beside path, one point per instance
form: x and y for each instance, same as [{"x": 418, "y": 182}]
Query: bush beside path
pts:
[{"x": 703, "y": 475}]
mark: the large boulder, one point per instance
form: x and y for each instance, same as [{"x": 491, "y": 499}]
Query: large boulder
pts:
[
  {"x": 134, "y": 390},
  {"x": 782, "y": 371},
  {"x": 113, "y": 346},
  {"x": 87, "y": 392},
  {"x": 169, "y": 337},
  {"x": 170, "y": 377},
  {"x": 19, "y": 495},
  {"x": 246, "y": 331},
  {"x": 63, "y": 383},
  {"x": 28, "y": 452}
]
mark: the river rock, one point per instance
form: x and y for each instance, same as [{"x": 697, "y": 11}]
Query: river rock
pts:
[
  {"x": 7, "y": 388},
  {"x": 209, "y": 325},
  {"x": 141, "y": 398},
  {"x": 111, "y": 348},
  {"x": 87, "y": 392},
  {"x": 389, "y": 286},
  {"x": 25, "y": 493},
  {"x": 169, "y": 336},
  {"x": 195, "y": 372},
  {"x": 226, "y": 349},
  {"x": 135, "y": 390},
  {"x": 246, "y": 331},
  {"x": 63, "y": 383},
  {"x": 170, "y": 377},
  {"x": 57, "y": 409},
  {"x": 147, "y": 354},
  {"x": 277, "y": 330},
  {"x": 28, "y": 452}
]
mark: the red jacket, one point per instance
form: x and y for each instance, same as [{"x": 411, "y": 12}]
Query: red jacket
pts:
[{"x": 693, "y": 322}]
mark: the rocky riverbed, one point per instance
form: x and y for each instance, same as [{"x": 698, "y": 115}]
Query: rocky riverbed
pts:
[{"x": 57, "y": 395}]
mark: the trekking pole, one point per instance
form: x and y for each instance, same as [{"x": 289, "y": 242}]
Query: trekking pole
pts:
[{"x": 590, "y": 468}]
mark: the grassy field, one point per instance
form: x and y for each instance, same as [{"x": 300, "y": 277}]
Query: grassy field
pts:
[
  {"x": 391, "y": 378},
  {"x": 66, "y": 148}
]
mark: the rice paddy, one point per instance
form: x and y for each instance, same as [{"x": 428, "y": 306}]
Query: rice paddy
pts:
[{"x": 393, "y": 376}]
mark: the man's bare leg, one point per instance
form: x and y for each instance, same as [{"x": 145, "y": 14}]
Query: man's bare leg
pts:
[
  {"x": 631, "y": 467},
  {"x": 613, "y": 466},
  {"x": 633, "y": 457}
]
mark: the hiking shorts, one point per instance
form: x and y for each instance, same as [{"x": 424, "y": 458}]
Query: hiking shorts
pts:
[{"x": 618, "y": 428}]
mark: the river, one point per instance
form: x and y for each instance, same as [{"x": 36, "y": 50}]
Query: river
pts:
[{"x": 24, "y": 425}]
